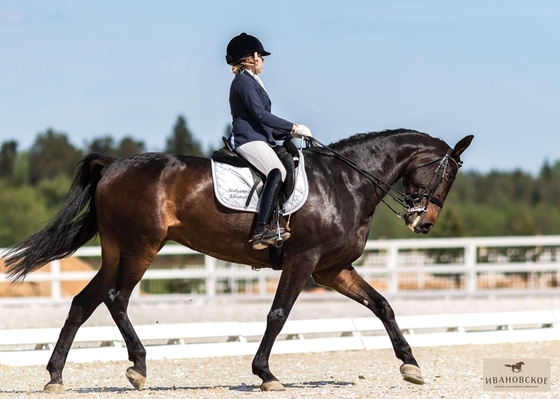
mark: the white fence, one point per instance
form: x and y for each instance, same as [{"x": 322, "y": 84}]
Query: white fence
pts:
[
  {"x": 397, "y": 268},
  {"x": 177, "y": 341}
]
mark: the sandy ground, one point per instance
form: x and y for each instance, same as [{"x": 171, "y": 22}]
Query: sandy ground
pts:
[{"x": 450, "y": 372}]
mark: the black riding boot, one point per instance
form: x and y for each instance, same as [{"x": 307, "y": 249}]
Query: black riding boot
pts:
[{"x": 263, "y": 236}]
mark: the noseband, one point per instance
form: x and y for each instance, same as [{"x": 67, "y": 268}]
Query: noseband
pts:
[{"x": 398, "y": 196}]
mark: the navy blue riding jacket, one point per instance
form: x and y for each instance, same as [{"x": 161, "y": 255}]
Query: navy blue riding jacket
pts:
[{"x": 250, "y": 109}]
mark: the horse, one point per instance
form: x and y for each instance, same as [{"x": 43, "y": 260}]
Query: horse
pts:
[
  {"x": 136, "y": 205},
  {"x": 515, "y": 368}
]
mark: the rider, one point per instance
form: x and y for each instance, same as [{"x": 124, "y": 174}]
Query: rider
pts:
[{"x": 255, "y": 128}]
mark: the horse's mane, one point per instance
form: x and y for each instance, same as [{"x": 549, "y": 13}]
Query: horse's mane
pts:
[{"x": 388, "y": 132}]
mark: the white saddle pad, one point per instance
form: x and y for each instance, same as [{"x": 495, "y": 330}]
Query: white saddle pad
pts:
[{"x": 233, "y": 184}]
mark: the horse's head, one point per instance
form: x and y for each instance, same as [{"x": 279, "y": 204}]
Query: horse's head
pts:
[{"x": 427, "y": 181}]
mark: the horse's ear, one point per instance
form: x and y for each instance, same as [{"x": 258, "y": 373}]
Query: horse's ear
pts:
[{"x": 461, "y": 146}]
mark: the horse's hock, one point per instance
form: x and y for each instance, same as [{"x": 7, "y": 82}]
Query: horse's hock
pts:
[{"x": 43, "y": 288}]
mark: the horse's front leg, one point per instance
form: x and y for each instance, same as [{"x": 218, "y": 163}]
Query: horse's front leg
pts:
[
  {"x": 349, "y": 283},
  {"x": 292, "y": 281}
]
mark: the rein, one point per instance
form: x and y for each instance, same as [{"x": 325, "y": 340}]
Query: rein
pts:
[{"x": 391, "y": 190}]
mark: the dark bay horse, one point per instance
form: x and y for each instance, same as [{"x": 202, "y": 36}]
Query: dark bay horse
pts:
[{"x": 138, "y": 204}]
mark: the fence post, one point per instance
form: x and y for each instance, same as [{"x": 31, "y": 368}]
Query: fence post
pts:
[
  {"x": 262, "y": 284},
  {"x": 210, "y": 268},
  {"x": 470, "y": 267},
  {"x": 56, "y": 290},
  {"x": 392, "y": 256}
]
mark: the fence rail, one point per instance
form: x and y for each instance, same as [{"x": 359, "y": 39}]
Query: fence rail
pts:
[
  {"x": 179, "y": 341},
  {"x": 417, "y": 267}
]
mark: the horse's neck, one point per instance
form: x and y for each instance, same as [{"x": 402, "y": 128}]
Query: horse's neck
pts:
[{"x": 385, "y": 157}]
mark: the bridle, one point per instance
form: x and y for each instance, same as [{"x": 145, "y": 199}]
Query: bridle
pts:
[
  {"x": 398, "y": 196},
  {"x": 437, "y": 178}
]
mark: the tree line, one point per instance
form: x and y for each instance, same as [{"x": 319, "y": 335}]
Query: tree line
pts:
[
  {"x": 493, "y": 204},
  {"x": 33, "y": 183}
]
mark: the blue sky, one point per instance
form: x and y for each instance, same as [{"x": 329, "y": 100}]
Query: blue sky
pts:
[{"x": 448, "y": 68}]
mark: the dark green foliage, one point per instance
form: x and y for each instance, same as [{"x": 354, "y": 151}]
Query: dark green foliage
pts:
[
  {"x": 103, "y": 145},
  {"x": 74, "y": 224},
  {"x": 54, "y": 191},
  {"x": 23, "y": 211},
  {"x": 126, "y": 148},
  {"x": 129, "y": 147},
  {"x": 496, "y": 204},
  {"x": 451, "y": 225},
  {"x": 8, "y": 154},
  {"x": 182, "y": 140},
  {"x": 34, "y": 183},
  {"x": 52, "y": 155}
]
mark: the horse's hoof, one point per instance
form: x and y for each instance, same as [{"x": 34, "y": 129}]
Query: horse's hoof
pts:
[
  {"x": 272, "y": 386},
  {"x": 54, "y": 388},
  {"x": 136, "y": 379},
  {"x": 412, "y": 374}
]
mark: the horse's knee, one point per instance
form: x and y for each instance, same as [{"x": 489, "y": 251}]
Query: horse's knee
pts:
[
  {"x": 277, "y": 316},
  {"x": 383, "y": 310},
  {"x": 115, "y": 300}
]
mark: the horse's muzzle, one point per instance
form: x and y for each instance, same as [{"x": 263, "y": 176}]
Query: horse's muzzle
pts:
[{"x": 422, "y": 222}]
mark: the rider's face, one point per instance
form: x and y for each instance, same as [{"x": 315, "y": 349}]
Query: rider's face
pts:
[{"x": 259, "y": 63}]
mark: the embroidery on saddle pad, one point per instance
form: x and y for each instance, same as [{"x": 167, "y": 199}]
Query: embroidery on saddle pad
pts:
[{"x": 233, "y": 184}]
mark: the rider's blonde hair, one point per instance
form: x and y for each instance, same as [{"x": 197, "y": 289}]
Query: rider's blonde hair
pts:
[{"x": 243, "y": 63}]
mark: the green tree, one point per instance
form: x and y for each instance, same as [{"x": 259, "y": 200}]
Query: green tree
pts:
[
  {"x": 548, "y": 184},
  {"x": 386, "y": 225},
  {"x": 22, "y": 169},
  {"x": 8, "y": 155},
  {"x": 126, "y": 148},
  {"x": 23, "y": 213},
  {"x": 182, "y": 141},
  {"x": 449, "y": 224},
  {"x": 52, "y": 155},
  {"x": 104, "y": 145},
  {"x": 129, "y": 147},
  {"x": 521, "y": 224},
  {"x": 54, "y": 191}
]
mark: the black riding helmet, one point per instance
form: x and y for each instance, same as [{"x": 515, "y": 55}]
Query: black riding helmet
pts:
[{"x": 243, "y": 46}]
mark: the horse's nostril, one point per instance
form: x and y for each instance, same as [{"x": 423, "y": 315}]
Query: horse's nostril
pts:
[{"x": 426, "y": 227}]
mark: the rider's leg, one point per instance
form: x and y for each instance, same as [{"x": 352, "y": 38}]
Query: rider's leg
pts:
[
  {"x": 264, "y": 158},
  {"x": 261, "y": 156},
  {"x": 263, "y": 236}
]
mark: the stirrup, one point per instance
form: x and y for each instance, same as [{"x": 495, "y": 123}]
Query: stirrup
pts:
[
  {"x": 284, "y": 234},
  {"x": 279, "y": 237},
  {"x": 269, "y": 237},
  {"x": 263, "y": 239}
]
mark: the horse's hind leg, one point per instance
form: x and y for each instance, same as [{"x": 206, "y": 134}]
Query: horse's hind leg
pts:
[
  {"x": 131, "y": 270},
  {"x": 349, "y": 283},
  {"x": 290, "y": 285},
  {"x": 81, "y": 309}
]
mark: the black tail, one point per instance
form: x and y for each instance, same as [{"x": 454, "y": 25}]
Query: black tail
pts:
[{"x": 73, "y": 226}]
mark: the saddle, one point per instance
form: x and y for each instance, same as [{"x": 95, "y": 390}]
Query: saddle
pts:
[{"x": 288, "y": 155}]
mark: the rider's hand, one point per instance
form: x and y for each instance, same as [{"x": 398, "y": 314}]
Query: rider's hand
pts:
[{"x": 301, "y": 131}]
